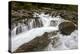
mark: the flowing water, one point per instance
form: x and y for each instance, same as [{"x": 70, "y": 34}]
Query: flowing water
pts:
[
  {"x": 24, "y": 32},
  {"x": 42, "y": 21}
]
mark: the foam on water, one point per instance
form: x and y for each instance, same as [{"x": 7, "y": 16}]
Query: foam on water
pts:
[{"x": 64, "y": 42}]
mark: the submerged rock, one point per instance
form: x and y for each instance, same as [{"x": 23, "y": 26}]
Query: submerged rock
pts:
[
  {"x": 54, "y": 42},
  {"x": 53, "y": 23},
  {"x": 37, "y": 44},
  {"x": 66, "y": 28},
  {"x": 51, "y": 34}
]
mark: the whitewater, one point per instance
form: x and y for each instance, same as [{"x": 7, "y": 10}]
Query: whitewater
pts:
[{"x": 64, "y": 42}]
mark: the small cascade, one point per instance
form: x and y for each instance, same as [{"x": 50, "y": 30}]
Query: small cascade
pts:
[
  {"x": 19, "y": 28},
  {"x": 31, "y": 24},
  {"x": 45, "y": 19},
  {"x": 40, "y": 23},
  {"x": 13, "y": 32},
  {"x": 24, "y": 27},
  {"x": 49, "y": 20},
  {"x": 39, "y": 20},
  {"x": 53, "y": 23},
  {"x": 34, "y": 23}
]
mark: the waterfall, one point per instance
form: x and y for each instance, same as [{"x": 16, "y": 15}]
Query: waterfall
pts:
[
  {"x": 36, "y": 26},
  {"x": 13, "y": 32},
  {"x": 39, "y": 20},
  {"x": 18, "y": 29},
  {"x": 24, "y": 27},
  {"x": 40, "y": 23},
  {"x": 30, "y": 23}
]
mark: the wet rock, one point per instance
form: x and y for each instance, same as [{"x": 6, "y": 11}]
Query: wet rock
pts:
[
  {"x": 37, "y": 44},
  {"x": 55, "y": 41},
  {"x": 66, "y": 28},
  {"x": 72, "y": 16},
  {"x": 53, "y": 23},
  {"x": 20, "y": 15},
  {"x": 51, "y": 34}
]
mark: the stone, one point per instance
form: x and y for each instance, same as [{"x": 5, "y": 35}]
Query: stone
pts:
[
  {"x": 66, "y": 28},
  {"x": 55, "y": 40},
  {"x": 37, "y": 44}
]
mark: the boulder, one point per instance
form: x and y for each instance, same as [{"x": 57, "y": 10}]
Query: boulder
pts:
[
  {"x": 37, "y": 44},
  {"x": 66, "y": 28}
]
